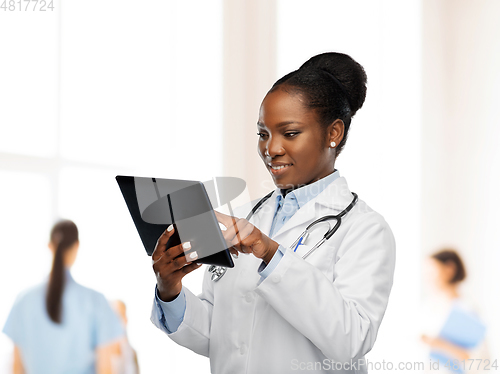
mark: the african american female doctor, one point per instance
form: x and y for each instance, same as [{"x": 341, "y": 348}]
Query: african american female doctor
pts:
[{"x": 275, "y": 311}]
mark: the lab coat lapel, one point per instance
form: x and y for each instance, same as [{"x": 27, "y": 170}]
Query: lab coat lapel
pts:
[{"x": 336, "y": 197}]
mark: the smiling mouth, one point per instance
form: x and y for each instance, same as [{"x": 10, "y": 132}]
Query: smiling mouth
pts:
[
  {"x": 276, "y": 170},
  {"x": 280, "y": 167}
]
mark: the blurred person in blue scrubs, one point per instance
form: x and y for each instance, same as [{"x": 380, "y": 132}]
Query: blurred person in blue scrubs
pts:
[
  {"x": 453, "y": 331},
  {"x": 60, "y": 326}
]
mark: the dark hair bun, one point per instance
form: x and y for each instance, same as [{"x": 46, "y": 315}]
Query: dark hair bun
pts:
[{"x": 348, "y": 72}]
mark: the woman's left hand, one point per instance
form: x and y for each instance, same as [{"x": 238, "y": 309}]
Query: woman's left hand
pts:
[
  {"x": 242, "y": 236},
  {"x": 443, "y": 345}
]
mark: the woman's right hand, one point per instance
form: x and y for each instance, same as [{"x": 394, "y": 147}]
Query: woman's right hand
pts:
[{"x": 170, "y": 270}]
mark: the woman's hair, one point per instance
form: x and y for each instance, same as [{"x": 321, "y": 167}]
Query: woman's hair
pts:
[
  {"x": 333, "y": 84},
  {"x": 63, "y": 236},
  {"x": 450, "y": 256}
]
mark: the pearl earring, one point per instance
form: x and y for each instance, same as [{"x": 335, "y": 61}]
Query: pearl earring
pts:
[{"x": 332, "y": 144}]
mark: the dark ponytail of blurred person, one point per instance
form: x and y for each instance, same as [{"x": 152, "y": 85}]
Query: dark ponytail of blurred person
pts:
[{"x": 63, "y": 236}]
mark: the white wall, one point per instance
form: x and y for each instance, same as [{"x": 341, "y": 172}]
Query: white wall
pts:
[{"x": 249, "y": 71}]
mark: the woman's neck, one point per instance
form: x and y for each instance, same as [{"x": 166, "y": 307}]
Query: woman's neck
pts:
[
  {"x": 284, "y": 191},
  {"x": 451, "y": 292}
]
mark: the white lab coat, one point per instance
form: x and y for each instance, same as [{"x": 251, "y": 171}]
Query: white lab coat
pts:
[{"x": 307, "y": 315}]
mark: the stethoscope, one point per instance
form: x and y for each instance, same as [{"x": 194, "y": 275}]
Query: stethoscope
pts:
[{"x": 219, "y": 271}]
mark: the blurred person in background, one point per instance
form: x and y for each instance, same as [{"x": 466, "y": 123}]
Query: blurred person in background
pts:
[
  {"x": 60, "y": 326},
  {"x": 125, "y": 361},
  {"x": 453, "y": 331}
]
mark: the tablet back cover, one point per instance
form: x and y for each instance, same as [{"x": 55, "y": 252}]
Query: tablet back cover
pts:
[{"x": 156, "y": 203}]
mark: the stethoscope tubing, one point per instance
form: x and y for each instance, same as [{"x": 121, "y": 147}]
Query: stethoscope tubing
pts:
[
  {"x": 337, "y": 217},
  {"x": 219, "y": 271}
]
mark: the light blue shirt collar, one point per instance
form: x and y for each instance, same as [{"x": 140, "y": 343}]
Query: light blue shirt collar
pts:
[
  {"x": 305, "y": 193},
  {"x": 67, "y": 276}
]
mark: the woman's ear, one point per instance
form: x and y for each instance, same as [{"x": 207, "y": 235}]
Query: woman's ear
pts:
[{"x": 336, "y": 132}]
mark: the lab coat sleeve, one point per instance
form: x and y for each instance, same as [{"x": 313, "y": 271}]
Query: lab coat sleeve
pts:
[
  {"x": 342, "y": 317},
  {"x": 194, "y": 330}
]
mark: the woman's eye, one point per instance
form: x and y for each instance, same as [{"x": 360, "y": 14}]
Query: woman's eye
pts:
[
  {"x": 261, "y": 134},
  {"x": 291, "y": 134}
]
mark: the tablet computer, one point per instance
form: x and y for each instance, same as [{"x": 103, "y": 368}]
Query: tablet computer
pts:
[{"x": 155, "y": 203}]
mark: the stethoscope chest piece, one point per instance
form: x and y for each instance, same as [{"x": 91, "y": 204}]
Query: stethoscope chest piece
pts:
[{"x": 217, "y": 272}]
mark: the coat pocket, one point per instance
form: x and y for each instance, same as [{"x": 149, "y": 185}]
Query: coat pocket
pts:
[{"x": 321, "y": 258}]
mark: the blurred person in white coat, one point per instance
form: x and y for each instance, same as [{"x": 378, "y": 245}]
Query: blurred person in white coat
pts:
[
  {"x": 125, "y": 357},
  {"x": 446, "y": 272},
  {"x": 275, "y": 311}
]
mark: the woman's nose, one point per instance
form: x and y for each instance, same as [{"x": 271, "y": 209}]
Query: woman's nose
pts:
[{"x": 274, "y": 148}]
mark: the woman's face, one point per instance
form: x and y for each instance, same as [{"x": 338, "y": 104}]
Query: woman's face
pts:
[
  {"x": 293, "y": 145},
  {"x": 440, "y": 273}
]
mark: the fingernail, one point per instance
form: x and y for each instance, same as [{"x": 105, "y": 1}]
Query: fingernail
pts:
[
  {"x": 186, "y": 245},
  {"x": 235, "y": 256},
  {"x": 193, "y": 255},
  {"x": 170, "y": 228},
  {"x": 199, "y": 263}
]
